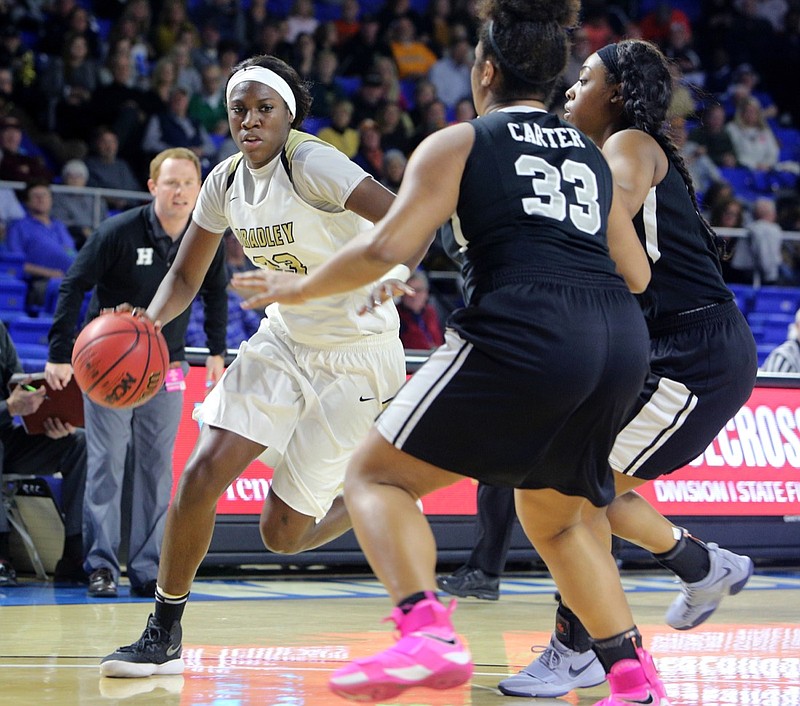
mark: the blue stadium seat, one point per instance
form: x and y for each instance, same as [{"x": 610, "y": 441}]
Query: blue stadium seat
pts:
[
  {"x": 745, "y": 295},
  {"x": 789, "y": 140},
  {"x": 12, "y": 294},
  {"x": 12, "y": 264},
  {"x": 741, "y": 180},
  {"x": 348, "y": 84},
  {"x": 777, "y": 300},
  {"x": 27, "y": 329},
  {"x": 772, "y": 328},
  {"x": 313, "y": 125}
]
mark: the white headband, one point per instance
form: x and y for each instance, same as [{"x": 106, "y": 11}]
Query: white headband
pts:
[{"x": 268, "y": 78}]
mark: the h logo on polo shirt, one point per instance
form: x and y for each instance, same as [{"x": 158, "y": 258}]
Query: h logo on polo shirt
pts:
[{"x": 144, "y": 256}]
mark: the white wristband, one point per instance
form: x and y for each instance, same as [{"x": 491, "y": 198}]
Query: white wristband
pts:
[{"x": 400, "y": 272}]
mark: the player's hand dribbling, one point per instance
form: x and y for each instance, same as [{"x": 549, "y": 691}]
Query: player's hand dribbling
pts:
[{"x": 260, "y": 288}]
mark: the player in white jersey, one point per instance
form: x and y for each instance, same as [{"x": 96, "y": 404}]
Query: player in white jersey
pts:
[{"x": 304, "y": 390}]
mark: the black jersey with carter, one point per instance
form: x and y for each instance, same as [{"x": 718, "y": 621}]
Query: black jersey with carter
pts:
[
  {"x": 535, "y": 195},
  {"x": 685, "y": 269}
]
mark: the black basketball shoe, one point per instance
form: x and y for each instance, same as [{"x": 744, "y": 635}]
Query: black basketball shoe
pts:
[{"x": 157, "y": 651}]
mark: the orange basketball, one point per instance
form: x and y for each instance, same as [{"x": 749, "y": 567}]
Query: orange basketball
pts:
[{"x": 120, "y": 360}]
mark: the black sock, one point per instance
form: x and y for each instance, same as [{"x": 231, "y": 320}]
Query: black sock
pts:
[
  {"x": 688, "y": 559},
  {"x": 73, "y": 547},
  {"x": 168, "y": 610},
  {"x": 570, "y": 631},
  {"x": 408, "y": 603},
  {"x": 5, "y": 549},
  {"x": 618, "y": 647}
]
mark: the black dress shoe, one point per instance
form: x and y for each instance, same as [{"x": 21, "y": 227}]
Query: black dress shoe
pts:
[
  {"x": 467, "y": 581},
  {"x": 8, "y": 577},
  {"x": 102, "y": 584},
  {"x": 146, "y": 590},
  {"x": 69, "y": 572}
]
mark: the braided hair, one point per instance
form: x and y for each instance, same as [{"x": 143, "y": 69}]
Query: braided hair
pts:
[
  {"x": 528, "y": 40},
  {"x": 646, "y": 95}
]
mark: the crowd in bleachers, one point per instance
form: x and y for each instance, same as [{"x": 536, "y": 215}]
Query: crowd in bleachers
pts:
[{"x": 90, "y": 90}]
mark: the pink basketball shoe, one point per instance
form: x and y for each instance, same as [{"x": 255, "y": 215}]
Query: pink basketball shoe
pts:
[
  {"x": 428, "y": 653},
  {"x": 635, "y": 682}
]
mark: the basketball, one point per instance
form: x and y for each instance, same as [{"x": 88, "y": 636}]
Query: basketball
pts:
[{"x": 120, "y": 360}]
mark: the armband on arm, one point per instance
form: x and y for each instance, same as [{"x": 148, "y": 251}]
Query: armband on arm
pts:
[{"x": 400, "y": 272}]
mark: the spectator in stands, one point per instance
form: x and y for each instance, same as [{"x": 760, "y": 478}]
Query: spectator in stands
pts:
[
  {"x": 162, "y": 80},
  {"x": 17, "y": 56},
  {"x": 226, "y": 15},
  {"x": 207, "y": 51},
  {"x": 394, "y": 10},
  {"x": 341, "y": 133},
  {"x": 728, "y": 213},
  {"x": 61, "y": 449},
  {"x": 69, "y": 82},
  {"x": 701, "y": 169},
  {"x": 759, "y": 257},
  {"x": 348, "y": 22},
  {"x": 325, "y": 90},
  {"x": 420, "y": 325},
  {"x": 271, "y": 39},
  {"x": 56, "y": 27},
  {"x": 188, "y": 76},
  {"x": 369, "y": 98},
  {"x": 754, "y": 143},
  {"x": 657, "y": 24},
  {"x": 438, "y": 26},
  {"x": 121, "y": 105},
  {"x": 712, "y": 135},
  {"x": 751, "y": 37},
  {"x": 465, "y": 110},
  {"x": 424, "y": 95},
  {"x": 133, "y": 25},
  {"x": 304, "y": 51},
  {"x": 394, "y": 167},
  {"x": 301, "y": 20},
  {"x": 370, "y": 152},
  {"x": 679, "y": 49},
  {"x": 719, "y": 72},
  {"x": 174, "y": 128},
  {"x": 107, "y": 170},
  {"x": 172, "y": 20},
  {"x": 80, "y": 212},
  {"x": 357, "y": 55},
  {"x": 745, "y": 84},
  {"x": 207, "y": 106},
  {"x": 413, "y": 57},
  {"x": 15, "y": 165},
  {"x": 451, "y": 73},
  {"x": 396, "y": 127},
  {"x": 785, "y": 358},
  {"x": 434, "y": 118},
  {"x": 46, "y": 244},
  {"x": 386, "y": 68},
  {"x": 81, "y": 22}
]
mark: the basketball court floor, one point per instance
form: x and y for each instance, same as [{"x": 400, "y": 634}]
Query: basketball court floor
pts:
[{"x": 275, "y": 641}]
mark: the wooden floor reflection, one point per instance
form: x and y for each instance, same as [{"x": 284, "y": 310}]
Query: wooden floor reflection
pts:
[{"x": 276, "y": 644}]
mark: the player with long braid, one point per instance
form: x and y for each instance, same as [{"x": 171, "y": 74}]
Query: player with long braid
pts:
[
  {"x": 539, "y": 364},
  {"x": 702, "y": 353}
]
